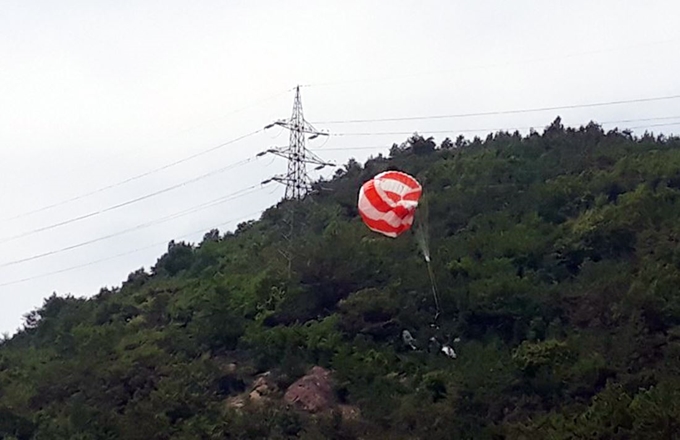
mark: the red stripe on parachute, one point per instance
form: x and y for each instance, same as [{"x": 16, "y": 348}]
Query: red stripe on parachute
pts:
[{"x": 387, "y": 203}]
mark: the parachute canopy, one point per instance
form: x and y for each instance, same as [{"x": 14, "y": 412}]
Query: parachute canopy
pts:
[{"x": 387, "y": 203}]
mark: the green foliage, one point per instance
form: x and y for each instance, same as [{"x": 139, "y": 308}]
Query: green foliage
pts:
[
  {"x": 557, "y": 257},
  {"x": 533, "y": 357}
]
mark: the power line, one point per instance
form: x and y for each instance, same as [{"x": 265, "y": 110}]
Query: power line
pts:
[
  {"x": 473, "y": 130},
  {"x": 655, "y": 125},
  {"x": 139, "y": 176},
  {"x": 90, "y": 263},
  {"x": 382, "y": 133},
  {"x": 502, "y": 112},
  {"x": 375, "y": 147},
  {"x": 126, "y": 203},
  {"x": 188, "y": 211},
  {"x": 658, "y": 118},
  {"x": 201, "y": 153},
  {"x": 237, "y": 110},
  {"x": 131, "y": 179}
]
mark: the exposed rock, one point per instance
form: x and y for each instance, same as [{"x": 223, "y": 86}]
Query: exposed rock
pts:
[
  {"x": 313, "y": 392},
  {"x": 255, "y": 396},
  {"x": 261, "y": 389},
  {"x": 263, "y": 383}
]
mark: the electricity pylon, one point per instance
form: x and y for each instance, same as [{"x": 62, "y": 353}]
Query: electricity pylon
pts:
[{"x": 296, "y": 179}]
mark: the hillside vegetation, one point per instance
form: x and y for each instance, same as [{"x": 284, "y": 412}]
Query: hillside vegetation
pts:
[{"x": 557, "y": 259}]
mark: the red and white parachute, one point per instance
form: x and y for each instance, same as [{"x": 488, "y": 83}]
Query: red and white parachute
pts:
[{"x": 387, "y": 203}]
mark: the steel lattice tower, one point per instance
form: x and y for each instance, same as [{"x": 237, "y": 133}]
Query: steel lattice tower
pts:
[{"x": 297, "y": 180}]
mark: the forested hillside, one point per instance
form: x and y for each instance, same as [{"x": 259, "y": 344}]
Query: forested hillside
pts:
[{"x": 557, "y": 260}]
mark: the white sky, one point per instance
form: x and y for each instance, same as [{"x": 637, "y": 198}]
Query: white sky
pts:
[{"x": 93, "y": 93}]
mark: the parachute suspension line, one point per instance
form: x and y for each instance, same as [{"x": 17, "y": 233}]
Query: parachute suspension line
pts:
[
  {"x": 433, "y": 282},
  {"x": 422, "y": 230},
  {"x": 423, "y": 238}
]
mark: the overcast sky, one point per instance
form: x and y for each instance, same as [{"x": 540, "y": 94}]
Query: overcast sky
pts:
[{"x": 94, "y": 93}]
